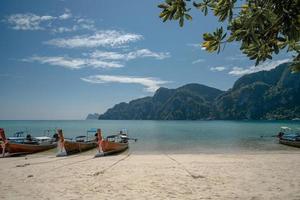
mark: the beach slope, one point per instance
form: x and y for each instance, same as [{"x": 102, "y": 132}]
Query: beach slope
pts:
[{"x": 183, "y": 176}]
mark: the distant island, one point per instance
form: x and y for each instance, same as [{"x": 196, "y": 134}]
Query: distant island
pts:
[
  {"x": 92, "y": 116},
  {"x": 268, "y": 95}
]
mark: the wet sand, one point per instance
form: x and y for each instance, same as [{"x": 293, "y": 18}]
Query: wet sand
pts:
[{"x": 264, "y": 175}]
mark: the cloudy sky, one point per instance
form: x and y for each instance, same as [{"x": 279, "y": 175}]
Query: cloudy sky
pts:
[{"x": 63, "y": 59}]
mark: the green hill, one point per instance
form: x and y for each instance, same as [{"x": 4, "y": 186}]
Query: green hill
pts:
[{"x": 273, "y": 94}]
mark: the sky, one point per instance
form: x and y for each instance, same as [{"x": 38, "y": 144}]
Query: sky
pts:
[{"x": 63, "y": 59}]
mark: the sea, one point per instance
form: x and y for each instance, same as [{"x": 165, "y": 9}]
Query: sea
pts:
[{"x": 176, "y": 137}]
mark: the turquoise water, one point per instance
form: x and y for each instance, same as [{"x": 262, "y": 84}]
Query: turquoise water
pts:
[{"x": 174, "y": 136}]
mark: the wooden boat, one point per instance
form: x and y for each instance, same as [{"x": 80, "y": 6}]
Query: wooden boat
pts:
[
  {"x": 288, "y": 137},
  {"x": 15, "y": 148},
  {"x": 292, "y": 143},
  {"x": 18, "y": 137},
  {"x": 112, "y": 144},
  {"x": 18, "y": 146},
  {"x": 76, "y": 145}
]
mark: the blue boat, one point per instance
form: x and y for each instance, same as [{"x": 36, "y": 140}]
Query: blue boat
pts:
[{"x": 289, "y": 137}]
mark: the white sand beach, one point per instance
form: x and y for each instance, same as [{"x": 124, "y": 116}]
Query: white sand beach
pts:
[{"x": 264, "y": 175}]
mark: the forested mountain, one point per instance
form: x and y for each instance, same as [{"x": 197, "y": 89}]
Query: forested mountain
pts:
[
  {"x": 273, "y": 94},
  {"x": 192, "y": 101},
  {"x": 92, "y": 116}
]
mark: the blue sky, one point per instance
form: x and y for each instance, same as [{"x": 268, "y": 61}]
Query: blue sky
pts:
[{"x": 65, "y": 59}]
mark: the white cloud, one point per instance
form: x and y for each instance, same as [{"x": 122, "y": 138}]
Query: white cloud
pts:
[
  {"x": 87, "y": 24},
  {"x": 107, "y": 38},
  {"x": 266, "y": 66},
  {"x": 151, "y": 84},
  {"x": 80, "y": 24},
  {"x": 196, "y": 45},
  {"x": 28, "y": 21},
  {"x": 97, "y": 59},
  {"x": 74, "y": 28},
  {"x": 108, "y": 55},
  {"x": 237, "y": 57},
  {"x": 66, "y": 15},
  {"x": 73, "y": 63},
  {"x": 141, "y": 53},
  {"x": 63, "y": 29},
  {"x": 103, "y": 64},
  {"x": 218, "y": 69},
  {"x": 198, "y": 61}
]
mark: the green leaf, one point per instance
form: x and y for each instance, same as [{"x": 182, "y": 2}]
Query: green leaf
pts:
[
  {"x": 188, "y": 17},
  {"x": 163, "y": 6},
  {"x": 181, "y": 20}
]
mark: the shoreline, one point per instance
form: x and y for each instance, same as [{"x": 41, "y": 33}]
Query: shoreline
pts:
[
  {"x": 92, "y": 152},
  {"x": 163, "y": 176}
]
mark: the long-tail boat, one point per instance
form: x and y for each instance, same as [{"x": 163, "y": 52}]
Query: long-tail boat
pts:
[
  {"x": 289, "y": 137},
  {"x": 112, "y": 144},
  {"x": 20, "y": 145},
  {"x": 75, "y": 145}
]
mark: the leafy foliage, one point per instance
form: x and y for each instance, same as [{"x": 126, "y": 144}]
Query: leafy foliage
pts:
[
  {"x": 263, "y": 27},
  {"x": 174, "y": 9}
]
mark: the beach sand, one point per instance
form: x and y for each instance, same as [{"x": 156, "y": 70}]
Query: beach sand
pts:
[{"x": 263, "y": 175}]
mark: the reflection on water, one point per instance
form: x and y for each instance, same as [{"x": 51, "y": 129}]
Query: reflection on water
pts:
[{"x": 174, "y": 136}]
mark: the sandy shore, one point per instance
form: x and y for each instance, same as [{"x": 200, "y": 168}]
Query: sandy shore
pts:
[{"x": 128, "y": 176}]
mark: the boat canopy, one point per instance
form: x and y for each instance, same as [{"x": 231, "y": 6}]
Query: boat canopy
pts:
[
  {"x": 124, "y": 130},
  {"x": 286, "y": 128},
  {"x": 92, "y": 130},
  {"x": 19, "y": 134},
  {"x": 43, "y": 138},
  {"x": 16, "y": 138}
]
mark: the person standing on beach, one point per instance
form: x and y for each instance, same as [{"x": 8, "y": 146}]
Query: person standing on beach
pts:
[
  {"x": 4, "y": 141},
  {"x": 100, "y": 141},
  {"x": 61, "y": 140}
]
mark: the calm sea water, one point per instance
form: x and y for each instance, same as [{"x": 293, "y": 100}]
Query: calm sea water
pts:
[{"x": 174, "y": 136}]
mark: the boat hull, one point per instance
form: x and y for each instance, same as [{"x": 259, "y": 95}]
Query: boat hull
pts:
[
  {"x": 77, "y": 147},
  {"x": 14, "y": 148},
  {"x": 290, "y": 143},
  {"x": 109, "y": 148}
]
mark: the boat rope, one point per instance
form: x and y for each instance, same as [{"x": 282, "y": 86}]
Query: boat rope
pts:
[
  {"x": 112, "y": 165},
  {"x": 49, "y": 161},
  {"x": 44, "y": 162},
  {"x": 68, "y": 164},
  {"x": 184, "y": 168},
  {"x": 59, "y": 159}
]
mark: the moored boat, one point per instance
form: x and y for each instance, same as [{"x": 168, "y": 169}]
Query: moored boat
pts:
[
  {"x": 112, "y": 144},
  {"x": 18, "y": 145},
  {"x": 293, "y": 143},
  {"x": 289, "y": 137},
  {"x": 76, "y": 145},
  {"x": 18, "y": 137}
]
